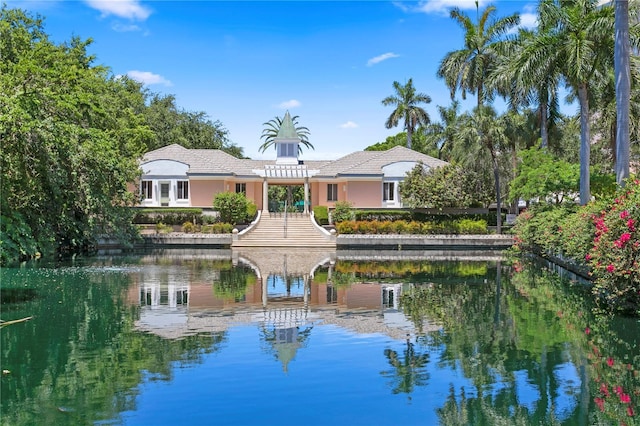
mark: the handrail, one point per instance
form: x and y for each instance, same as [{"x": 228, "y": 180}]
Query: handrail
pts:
[{"x": 285, "y": 219}]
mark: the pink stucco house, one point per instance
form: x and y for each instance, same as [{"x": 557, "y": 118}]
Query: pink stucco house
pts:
[{"x": 174, "y": 176}]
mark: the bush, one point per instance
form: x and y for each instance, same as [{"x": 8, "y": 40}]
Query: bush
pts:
[
  {"x": 162, "y": 228},
  {"x": 217, "y": 228},
  {"x": 169, "y": 216},
  {"x": 189, "y": 228},
  {"x": 615, "y": 256},
  {"x": 321, "y": 214},
  {"x": 252, "y": 211},
  {"x": 232, "y": 207},
  {"x": 343, "y": 211},
  {"x": 469, "y": 227}
]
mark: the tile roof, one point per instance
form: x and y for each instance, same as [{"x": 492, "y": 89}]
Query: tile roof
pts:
[{"x": 217, "y": 162}]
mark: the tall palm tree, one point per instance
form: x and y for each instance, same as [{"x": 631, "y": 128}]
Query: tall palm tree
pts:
[
  {"x": 578, "y": 39},
  {"x": 271, "y": 128},
  {"x": 525, "y": 78},
  {"x": 442, "y": 133},
  {"x": 467, "y": 69},
  {"x": 406, "y": 101}
]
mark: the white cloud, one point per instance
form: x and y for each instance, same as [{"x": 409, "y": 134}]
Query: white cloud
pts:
[
  {"x": 441, "y": 7},
  {"x": 130, "y": 9},
  {"x": 292, "y": 103},
  {"x": 349, "y": 125},
  {"x": 381, "y": 58},
  {"x": 147, "y": 77},
  {"x": 529, "y": 17},
  {"x": 123, "y": 28}
]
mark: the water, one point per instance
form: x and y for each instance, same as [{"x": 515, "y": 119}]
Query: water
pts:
[{"x": 316, "y": 338}]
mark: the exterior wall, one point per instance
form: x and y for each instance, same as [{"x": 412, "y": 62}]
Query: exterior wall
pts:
[
  {"x": 202, "y": 192},
  {"x": 254, "y": 193},
  {"x": 364, "y": 194}
]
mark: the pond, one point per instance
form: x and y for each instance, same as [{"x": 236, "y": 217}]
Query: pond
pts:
[{"x": 269, "y": 337}]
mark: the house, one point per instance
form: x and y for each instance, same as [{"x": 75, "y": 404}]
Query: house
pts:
[{"x": 174, "y": 176}]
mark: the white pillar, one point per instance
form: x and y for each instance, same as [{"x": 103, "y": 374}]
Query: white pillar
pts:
[
  {"x": 265, "y": 196},
  {"x": 306, "y": 195}
]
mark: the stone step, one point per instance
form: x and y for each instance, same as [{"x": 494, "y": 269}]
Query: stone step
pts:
[{"x": 269, "y": 232}]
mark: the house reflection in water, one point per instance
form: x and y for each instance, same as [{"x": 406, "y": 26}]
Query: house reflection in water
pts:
[{"x": 281, "y": 291}]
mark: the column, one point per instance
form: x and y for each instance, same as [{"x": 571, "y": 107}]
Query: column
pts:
[
  {"x": 265, "y": 196},
  {"x": 306, "y": 195}
]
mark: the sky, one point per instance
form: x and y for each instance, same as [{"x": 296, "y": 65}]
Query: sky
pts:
[{"x": 245, "y": 62}]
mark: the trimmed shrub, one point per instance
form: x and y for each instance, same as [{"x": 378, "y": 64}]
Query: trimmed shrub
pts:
[
  {"x": 232, "y": 207},
  {"x": 321, "y": 214},
  {"x": 189, "y": 228},
  {"x": 162, "y": 228},
  {"x": 343, "y": 211},
  {"x": 217, "y": 228},
  {"x": 169, "y": 216}
]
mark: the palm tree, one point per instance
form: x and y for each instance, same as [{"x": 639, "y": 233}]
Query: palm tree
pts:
[
  {"x": 484, "y": 128},
  {"x": 406, "y": 101},
  {"x": 466, "y": 69},
  {"x": 442, "y": 133},
  {"x": 270, "y": 132},
  {"x": 577, "y": 39}
]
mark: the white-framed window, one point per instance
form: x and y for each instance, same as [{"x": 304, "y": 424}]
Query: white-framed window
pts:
[
  {"x": 183, "y": 190},
  {"x": 287, "y": 150},
  {"x": 146, "y": 189},
  {"x": 332, "y": 192},
  {"x": 241, "y": 188},
  {"x": 388, "y": 191}
]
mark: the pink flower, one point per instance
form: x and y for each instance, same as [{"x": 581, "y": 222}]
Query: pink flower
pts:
[
  {"x": 587, "y": 331},
  {"x": 630, "y": 412},
  {"x": 610, "y": 267},
  {"x": 600, "y": 403},
  {"x": 610, "y": 362},
  {"x": 618, "y": 390},
  {"x": 631, "y": 225},
  {"x": 625, "y": 237},
  {"x": 588, "y": 256},
  {"x": 624, "y": 214},
  {"x": 625, "y": 398},
  {"x": 604, "y": 390}
]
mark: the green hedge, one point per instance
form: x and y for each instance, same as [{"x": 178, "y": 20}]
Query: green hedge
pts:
[
  {"x": 420, "y": 216},
  {"x": 168, "y": 216},
  {"x": 463, "y": 226},
  {"x": 321, "y": 214}
]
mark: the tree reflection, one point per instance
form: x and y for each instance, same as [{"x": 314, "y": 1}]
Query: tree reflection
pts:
[{"x": 409, "y": 370}]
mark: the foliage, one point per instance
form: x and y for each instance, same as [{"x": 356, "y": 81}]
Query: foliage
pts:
[
  {"x": 217, "y": 228},
  {"x": 162, "y": 228},
  {"x": 462, "y": 226},
  {"x": 440, "y": 187},
  {"x": 70, "y": 135},
  {"x": 343, "y": 211},
  {"x": 272, "y": 127},
  {"x": 615, "y": 256},
  {"x": 321, "y": 215},
  {"x": 189, "y": 228},
  {"x": 171, "y": 216},
  {"x": 541, "y": 176},
  {"x": 194, "y": 130},
  {"x": 232, "y": 207},
  {"x": 406, "y": 102},
  {"x": 383, "y": 215}
]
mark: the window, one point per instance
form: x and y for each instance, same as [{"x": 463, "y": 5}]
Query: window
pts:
[
  {"x": 286, "y": 150},
  {"x": 388, "y": 191},
  {"x": 183, "y": 190},
  {"x": 146, "y": 189},
  {"x": 241, "y": 188},
  {"x": 332, "y": 192}
]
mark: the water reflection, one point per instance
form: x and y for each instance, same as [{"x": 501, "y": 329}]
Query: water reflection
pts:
[{"x": 177, "y": 337}]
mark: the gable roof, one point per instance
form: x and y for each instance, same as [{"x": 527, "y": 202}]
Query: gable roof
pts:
[{"x": 218, "y": 162}]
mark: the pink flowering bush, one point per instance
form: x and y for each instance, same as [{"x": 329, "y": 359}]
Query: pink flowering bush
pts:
[{"x": 615, "y": 254}]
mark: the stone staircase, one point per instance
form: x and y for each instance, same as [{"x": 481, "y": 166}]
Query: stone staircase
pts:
[{"x": 270, "y": 232}]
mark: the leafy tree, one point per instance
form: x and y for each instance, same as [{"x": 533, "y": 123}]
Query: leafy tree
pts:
[
  {"x": 419, "y": 142},
  {"x": 272, "y": 127},
  {"x": 439, "y": 187},
  {"x": 467, "y": 69},
  {"x": 406, "y": 101},
  {"x": 70, "y": 135},
  {"x": 171, "y": 124},
  {"x": 541, "y": 176}
]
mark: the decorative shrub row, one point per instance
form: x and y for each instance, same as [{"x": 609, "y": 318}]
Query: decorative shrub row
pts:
[
  {"x": 321, "y": 214},
  {"x": 463, "y": 226},
  {"x": 216, "y": 228},
  {"x": 418, "y": 216},
  {"x": 170, "y": 216}
]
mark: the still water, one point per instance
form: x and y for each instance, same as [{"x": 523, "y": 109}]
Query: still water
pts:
[{"x": 221, "y": 337}]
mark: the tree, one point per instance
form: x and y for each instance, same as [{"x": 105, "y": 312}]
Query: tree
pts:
[
  {"x": 467, "y": 69},
  {"x": 232, "y": 207},
  {"x": 439, "y": 187},
  {"x": 272, "y": 127},
  {"x": 484, "y": 128},
  {"x": 442, "y": 134},
  {"x": 578, "y": 39},
  {"x": 406, "y": 101},
  {"x": 70, "y": 137}
]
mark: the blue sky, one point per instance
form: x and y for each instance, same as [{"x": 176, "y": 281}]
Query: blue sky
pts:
[{"x": 245, "y": 62}]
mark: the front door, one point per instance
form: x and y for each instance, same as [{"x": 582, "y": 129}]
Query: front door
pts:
[{"x": 164, "y": 194}]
